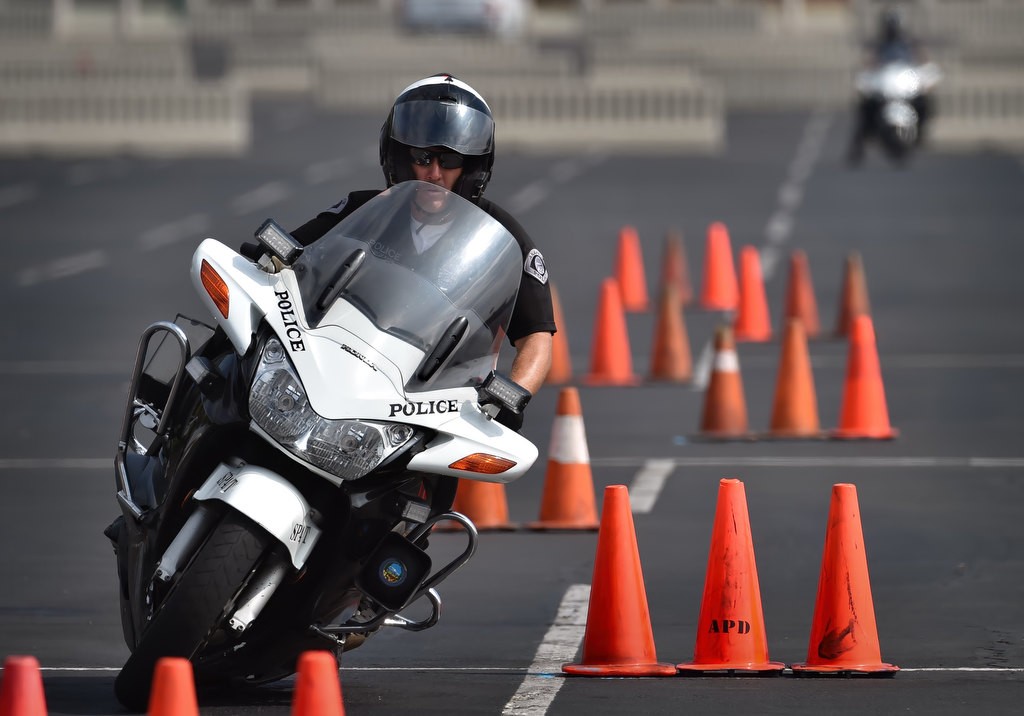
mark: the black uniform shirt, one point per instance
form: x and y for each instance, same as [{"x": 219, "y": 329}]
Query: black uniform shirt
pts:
[{"x": 532, "y": 313}]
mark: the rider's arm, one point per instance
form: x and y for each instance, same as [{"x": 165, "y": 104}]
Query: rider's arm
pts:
[{"x": 533, "y": 360}]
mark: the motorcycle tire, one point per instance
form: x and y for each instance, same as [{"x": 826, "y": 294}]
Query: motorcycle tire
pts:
[{"x": 196, "y": 605}]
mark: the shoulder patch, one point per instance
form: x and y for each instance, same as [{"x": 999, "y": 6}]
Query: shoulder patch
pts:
[
  {"x": 338, "y": 208},
  {"x": 534, "y": 265}
]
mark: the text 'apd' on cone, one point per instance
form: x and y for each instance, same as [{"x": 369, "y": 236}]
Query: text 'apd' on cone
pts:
[
  {"x": 844, "y": 636},
  {"x": 731, "y": 634},
  {"x": 618, "y": 640}
]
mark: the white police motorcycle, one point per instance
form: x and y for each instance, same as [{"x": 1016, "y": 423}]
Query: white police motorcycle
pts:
[
  {"x": 890, "y": 92},
  {"x": 279, "y": 474}
]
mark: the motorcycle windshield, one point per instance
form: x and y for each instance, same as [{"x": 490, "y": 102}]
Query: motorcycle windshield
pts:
[{"x": 429, "y": 266}]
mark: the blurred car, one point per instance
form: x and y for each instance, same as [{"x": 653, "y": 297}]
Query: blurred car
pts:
[{"x": 492, "y": 17}]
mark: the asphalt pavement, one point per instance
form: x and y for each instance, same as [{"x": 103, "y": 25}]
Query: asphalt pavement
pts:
[{"x": 98, "y": 248}]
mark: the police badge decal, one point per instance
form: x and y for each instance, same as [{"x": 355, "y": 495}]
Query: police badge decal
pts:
[{"x": 534, "y": 265}]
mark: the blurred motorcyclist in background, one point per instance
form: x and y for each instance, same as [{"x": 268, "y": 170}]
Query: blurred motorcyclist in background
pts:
[{"x": 893, "y": 44}]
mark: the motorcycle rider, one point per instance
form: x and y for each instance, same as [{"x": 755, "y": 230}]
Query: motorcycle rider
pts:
[
  {"x": 893, "y": 44},
  {"x": 441, "y": 131}
]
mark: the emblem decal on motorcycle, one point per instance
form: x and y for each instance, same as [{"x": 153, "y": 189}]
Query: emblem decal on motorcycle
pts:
[
  {"x": 291, "y": 326},
  {"x": 535, "y": 266},
  {"x": 431, "y": 407},
  {"x": 393, "y": 572},
  {"x": 357, "y": 354},
  {"x": 300, "y": 531},
  {"x": 226, "y": 482}
]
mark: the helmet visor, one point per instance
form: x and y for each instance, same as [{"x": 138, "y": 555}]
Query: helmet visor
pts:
[{"x": 422, "y": 123}]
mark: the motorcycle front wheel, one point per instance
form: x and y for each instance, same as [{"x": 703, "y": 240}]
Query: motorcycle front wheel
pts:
[{"x": 196, "y": 605}]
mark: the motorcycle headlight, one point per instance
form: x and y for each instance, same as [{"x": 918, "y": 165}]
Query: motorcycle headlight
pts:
[{"x": 347, "y": 449}]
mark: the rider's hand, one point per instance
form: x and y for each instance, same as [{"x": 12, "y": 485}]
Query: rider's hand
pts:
[{"x": 510, "y": 420}]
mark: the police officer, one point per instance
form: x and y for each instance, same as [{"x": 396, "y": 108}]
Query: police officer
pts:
[{"x": 440, "y": 130}]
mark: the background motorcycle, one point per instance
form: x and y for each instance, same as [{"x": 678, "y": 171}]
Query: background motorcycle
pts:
[
  {"x": 892, "y": 97},
  {"x": 279, "y": 475}
]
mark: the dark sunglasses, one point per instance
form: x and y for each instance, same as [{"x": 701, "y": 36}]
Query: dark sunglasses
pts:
[{"x": 447, "y": 160}]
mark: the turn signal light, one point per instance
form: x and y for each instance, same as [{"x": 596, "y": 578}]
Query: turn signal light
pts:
[
  {"x": 483, "y": 463},
  {"x": 215, "y": 286}
]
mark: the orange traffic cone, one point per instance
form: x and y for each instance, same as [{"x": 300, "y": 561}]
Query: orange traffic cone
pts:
[
  {"x": 795, "y": 411},
  {"x": 725, "y": 407},
  {"x": 618, "y": 640},
  {"x": 568, "y": 502},
  {"x": 21, "y": 691},
  {"x": 730, "y": 629},
  {"x": 800, "y": 301},
  {"x": 675, "y": 269},
  {"x": 854, "y": 299},
  {"x": 844, "y": 637},
  {"x": 719, "y": 291},
  {"x": 561, "y": 362},
  {"x": 752, "y": 321},
  {"x": 611, "y": 362},
  {"x": 484, "y": 503},
  {"x": 318, "y": 686},
  {"x": 629, "y": 271},
  {"x": 670, "y": 358},
  {"x": 174, "y": 688},
  {"x": 863, "y": 413}
]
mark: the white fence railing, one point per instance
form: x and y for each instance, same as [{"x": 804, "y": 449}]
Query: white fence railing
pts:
[{"x": 100, "y": 117}]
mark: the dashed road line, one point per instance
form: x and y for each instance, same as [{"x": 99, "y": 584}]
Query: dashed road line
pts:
[
  {"x": 62, "y": 268},
  {"x": 647, "y": 484},
  {"x": 15, "y": 194},
  {"x": 560, "y": 644},
  {"x": 174, "y": 231},
  {"x": 260, "y": 198}
]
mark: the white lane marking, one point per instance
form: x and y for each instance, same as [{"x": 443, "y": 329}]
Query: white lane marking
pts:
[
  {"x": 647, "y": 484},
  {"x": 172, "y": 232},
  {"x": 16, "y": 194},
  {"x": 559, "y": 646},
  {"x": 62, "y": 268},
  {"x": 260, "y": 198},
  {"x": 528, "y": 197},
  {"x": 327, "y": 170},
  {"x": 81, "y": 174},
  {"x": 779, "y": 227},
  {"x": 702, "y": 369},
  {"x": 566, "y": 170},
  {"x": 818, "y": 462}
]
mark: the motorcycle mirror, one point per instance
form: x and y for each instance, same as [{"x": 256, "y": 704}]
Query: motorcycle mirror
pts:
[
  {"x": 279, "y": 242},
  {"x": 499, "y": 390}
]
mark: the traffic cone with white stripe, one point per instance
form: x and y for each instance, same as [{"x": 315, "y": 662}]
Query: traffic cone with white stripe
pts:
[
  {"x": 725, "y": 407},
  {"x": 568, "y": 502}
]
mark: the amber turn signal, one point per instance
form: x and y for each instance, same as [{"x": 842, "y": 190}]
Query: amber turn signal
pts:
[{"x": 483, "y": 463}]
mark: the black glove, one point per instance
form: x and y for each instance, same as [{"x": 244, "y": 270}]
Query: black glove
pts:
[
  {"x": 251, "y": 250},
  {"x": 509, "y": 419}
]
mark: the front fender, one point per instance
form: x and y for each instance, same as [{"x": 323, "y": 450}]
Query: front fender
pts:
[{"x": 268, "y": 500}]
